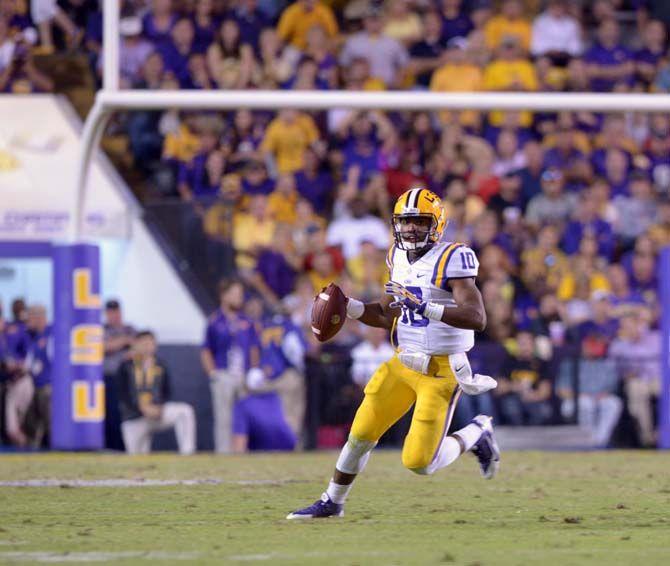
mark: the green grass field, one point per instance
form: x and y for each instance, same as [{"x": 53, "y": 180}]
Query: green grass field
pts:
[{"x": 544, "y": 508}]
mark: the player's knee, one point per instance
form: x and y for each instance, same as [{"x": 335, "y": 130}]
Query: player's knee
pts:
[
  {"x": 354, "y": 455},
  {"x": 416, "y": 462}
]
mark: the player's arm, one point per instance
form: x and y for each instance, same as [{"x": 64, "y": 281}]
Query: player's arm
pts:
[
  {"x": 468, "y": 313},
  {"x": 379, "y": 315}
]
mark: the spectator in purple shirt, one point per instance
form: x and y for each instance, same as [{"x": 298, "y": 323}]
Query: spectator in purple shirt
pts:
[
  {"x": 314, "y": 183},
  {"x": 251, "y": 20},
  {"x": 277, "y": 267},
  {"x": 229, "y": 350},
  {"x": 616, "y": 171},
  {"x": 648, "y": 59},
  {"x": 205, "y": 25},
  {"x": 608, "y": 63},
  {"x": 255, "y": 180},
  {"x": 564, "y": 155},
  {"x": 587, "y": 221},
  {"x": 177, "y": 49},
  {"x": 158, "y": 22},
  {"x": 454, "y": 22},
  {"x": 425, "y": 54},
  {"x": 200, "y": 178}
]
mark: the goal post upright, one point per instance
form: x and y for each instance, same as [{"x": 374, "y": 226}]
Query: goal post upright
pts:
[{"x": 111, "y": 99}]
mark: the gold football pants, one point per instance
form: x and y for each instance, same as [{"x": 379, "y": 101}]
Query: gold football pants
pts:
[{"x": 390, "y": 393}]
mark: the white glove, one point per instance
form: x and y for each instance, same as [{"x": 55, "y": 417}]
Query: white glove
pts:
[
  {"x": 477, "y": 384},
  {"x": 255, "y": 378}
]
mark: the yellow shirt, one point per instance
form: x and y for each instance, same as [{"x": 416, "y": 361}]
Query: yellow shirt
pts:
[
  {"x": 535, "y": 267},
  {"x": 363, "y": 273},
  {"x": 499, "y": 27},
  {"x": 249, "y": 234},
  {"x": 501, "y": 75},
  {"x": 660, "y": 234},
  {"x": 282, "y": 207},
  {"x": 319, "y": 282},
  {"x": 408, "y": 29},
  {"x": 458, "y": 78},
  {"x": 288, "y": 141},
  {"x": 182, "y": 145},
  {"x": 568, "y": 285},
  {"x": 295, "y": 22}
]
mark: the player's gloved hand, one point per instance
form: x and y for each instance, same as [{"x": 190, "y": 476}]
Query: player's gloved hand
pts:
[
  {"x": 407, "y": 299},
  {"x": 404, "y": 298}
]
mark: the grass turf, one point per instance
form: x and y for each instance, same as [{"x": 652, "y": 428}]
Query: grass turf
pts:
[{"x": 544, "y": 508}]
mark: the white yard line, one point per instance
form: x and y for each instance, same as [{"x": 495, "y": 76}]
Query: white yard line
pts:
[
  {"x": 120, "y": 482},
  {"x": 96, "y": 556}
]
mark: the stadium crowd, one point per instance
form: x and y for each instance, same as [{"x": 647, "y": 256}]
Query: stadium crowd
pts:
[{"x": 566, "y": 211}]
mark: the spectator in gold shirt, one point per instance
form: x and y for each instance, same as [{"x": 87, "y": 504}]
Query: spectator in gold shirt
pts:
[
  {"x": 510, "y": 71},
  {"x": 457, "y": 74},
  {"x": 300, "y": 16},
  {"x": 509, "y": 23},
  {"x": 252, "y": 230},
  {"x": 286, "y": 139}
]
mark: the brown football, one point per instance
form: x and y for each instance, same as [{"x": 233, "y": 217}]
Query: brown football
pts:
[{"x": 328, "y": 312}]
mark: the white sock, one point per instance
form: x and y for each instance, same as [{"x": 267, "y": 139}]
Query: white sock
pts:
[
  {"x": 449, "y": 452},
  {"x": 338, "y": 493},
  {"x": 469, "y": 435}
]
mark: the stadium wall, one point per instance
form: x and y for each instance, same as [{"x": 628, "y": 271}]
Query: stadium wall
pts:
[{"x": 39, "y": 145}]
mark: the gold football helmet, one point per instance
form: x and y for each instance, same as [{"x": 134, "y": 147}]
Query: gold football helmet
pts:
[{"x": 418, "y": 207}]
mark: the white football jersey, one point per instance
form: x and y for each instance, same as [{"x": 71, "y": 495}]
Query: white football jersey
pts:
[{"x": 428, "y": 278}]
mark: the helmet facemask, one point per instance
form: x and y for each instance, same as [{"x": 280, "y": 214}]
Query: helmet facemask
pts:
[{"x": 422, "y": 237}]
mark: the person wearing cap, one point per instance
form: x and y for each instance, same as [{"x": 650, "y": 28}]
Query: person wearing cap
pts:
[
  {"x": 457, "y": 74},
  {"x": 388, "y": 58},
  {"x": 509, "y": 23},
  {"x": 133, "y": 51},
  {"x": 552, "y": 204},
  {"x": 299, "y": 17},
  {"x": 556, "y": 33},
  {"x": 145, "y": 400},
  {"x": 118, "y": 337}
]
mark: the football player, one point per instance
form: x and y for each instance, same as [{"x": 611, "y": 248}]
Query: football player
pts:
[{"x": 432, "y": 307}]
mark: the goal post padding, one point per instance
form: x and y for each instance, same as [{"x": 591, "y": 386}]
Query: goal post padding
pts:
[{"x": 78, "y": 390}]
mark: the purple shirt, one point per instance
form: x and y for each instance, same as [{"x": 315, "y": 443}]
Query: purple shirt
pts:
[
  {"x": 177, "y": 62},
  {"x": 316, "y": 190},
  {"x": 575, "y": 231},
  {"x": 152, "y": 33},
  {"x": 261, "y": 419},
  {"x": 251, "y": 24},
  {"x": 276, "y": 272},
  {"x": 204, "y": 36},
  {"x": 600, "y": 55},
  {"x": 226, "y": 336},
  {"x": 265, "y": 187},
  {"x": 460, "y": 26},
  {"x": 194, "y": 174},
  {"x": 554, "y": 157}
]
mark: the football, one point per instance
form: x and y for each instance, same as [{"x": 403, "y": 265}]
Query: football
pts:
[{"x": 328, "y": 312}]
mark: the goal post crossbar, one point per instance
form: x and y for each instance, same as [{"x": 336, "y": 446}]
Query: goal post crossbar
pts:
[{"x": 110, "y": 100}]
